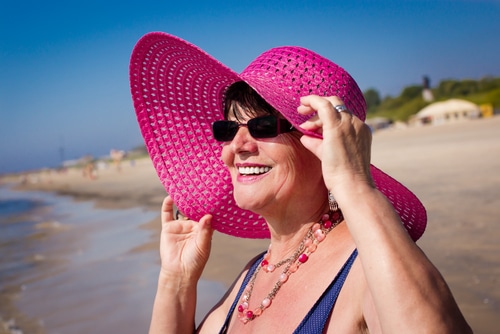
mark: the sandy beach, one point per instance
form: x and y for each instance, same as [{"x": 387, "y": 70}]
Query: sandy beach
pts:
[{"x": 453, "y": 168}]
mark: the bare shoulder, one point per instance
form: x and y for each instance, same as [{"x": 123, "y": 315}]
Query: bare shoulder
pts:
[
  {"x": 214, "y": 320},
  {"x": 354, "y": 309}
]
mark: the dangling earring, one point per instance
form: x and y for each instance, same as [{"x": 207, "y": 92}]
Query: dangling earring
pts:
[{"x": 334, "y": 206}]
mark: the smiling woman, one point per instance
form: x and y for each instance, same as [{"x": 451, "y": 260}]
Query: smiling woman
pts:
[{"x": 293, "y": 166}]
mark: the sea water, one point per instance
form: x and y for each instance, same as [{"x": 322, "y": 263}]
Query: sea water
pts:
[{"x": 78, "y": 269}]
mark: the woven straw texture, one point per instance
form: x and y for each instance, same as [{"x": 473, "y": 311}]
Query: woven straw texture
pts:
[{"x": 178, "y": 89}]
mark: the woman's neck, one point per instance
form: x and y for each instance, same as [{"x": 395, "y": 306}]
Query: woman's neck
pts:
[{"x": 289, "y": 228}]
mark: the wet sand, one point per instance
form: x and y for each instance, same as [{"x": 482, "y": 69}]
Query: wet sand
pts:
[{"x": 453, "y": 168}]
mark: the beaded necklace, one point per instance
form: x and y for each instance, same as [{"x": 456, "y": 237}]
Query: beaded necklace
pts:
[{"x": 315, "y": 235}]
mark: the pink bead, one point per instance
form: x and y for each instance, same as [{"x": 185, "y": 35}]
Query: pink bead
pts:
[
  {"x": 327, "y": 224},
  {"x": 307, "y": 242},
  {"x": 325, "y": 217},
  {"x": 312, "y": 248},
  {"x": 270, "y": 268},
  {"x": 283, "y": 278},
  {"x": 266, "y": 302},
  {"x": 316, "y": 227},
  {"x": 293, "y": 268},
  {"x": 258, "y": 312},
  {"x": 244, "y": 305},
  {"x": 320, "y": 236},
  {"x": 303, "y": 258}
]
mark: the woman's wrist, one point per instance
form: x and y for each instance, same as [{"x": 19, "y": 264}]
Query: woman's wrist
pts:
[
  {"x": 176, "y": 282},
  {"x": 349, "y": 190}
]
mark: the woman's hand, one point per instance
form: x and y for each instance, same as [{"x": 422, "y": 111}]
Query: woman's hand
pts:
[
  {"x": 184, "y": 244},
  {"x": 345, "y": 148},
  {"x": 184, "y": 250}
]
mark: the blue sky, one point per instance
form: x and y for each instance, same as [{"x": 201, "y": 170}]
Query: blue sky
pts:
[{"x": 64, "y": 64}]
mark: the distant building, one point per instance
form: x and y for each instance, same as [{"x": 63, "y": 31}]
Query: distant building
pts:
[
  {"x": 446, "y": 111},
  {"x": 427, "y": 95}
]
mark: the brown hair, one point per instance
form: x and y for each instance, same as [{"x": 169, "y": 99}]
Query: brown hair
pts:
[{"x": 242, "y": 101}]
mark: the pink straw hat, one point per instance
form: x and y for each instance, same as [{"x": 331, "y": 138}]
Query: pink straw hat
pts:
[{"x": 178, "y": 91}]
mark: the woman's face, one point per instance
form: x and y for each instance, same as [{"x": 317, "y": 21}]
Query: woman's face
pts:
[{"x": 272, "y": 173}]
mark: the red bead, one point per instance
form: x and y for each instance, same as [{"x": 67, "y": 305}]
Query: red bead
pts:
[
  {"x": 303, "y": 258},
  {"x": 335, "y": 215},
  {"x": 250, "y": 315},
  {"x": 240, "y": 308},
  {"x": 264, "y": 263},
  {"x": 327, "y": 224}
]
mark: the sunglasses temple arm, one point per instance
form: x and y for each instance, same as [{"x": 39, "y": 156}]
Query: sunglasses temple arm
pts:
[{"x": 285, "y": 126}]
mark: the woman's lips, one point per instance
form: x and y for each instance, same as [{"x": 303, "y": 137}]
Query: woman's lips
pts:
[
  {"x": 253, "y": 170},
  {"x": 250, "y": 173}
]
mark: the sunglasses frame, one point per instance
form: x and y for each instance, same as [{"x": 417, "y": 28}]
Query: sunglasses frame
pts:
[{"x": 225, "y": 130}]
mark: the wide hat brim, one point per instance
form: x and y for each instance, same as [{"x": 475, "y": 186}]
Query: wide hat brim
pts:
[{"x": 178, "y": 92}]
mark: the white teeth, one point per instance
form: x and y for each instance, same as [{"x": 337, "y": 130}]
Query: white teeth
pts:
[{"x": 253, "y": 170}]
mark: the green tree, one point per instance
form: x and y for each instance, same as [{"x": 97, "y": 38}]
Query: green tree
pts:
[
  {"x": 411, "y": 92},
  {"x": 372, "y": 98},
  {"x": 410, "y": 101}
]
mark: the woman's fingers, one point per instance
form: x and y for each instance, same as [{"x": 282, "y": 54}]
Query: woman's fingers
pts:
[
  {"x": 167, "y": 209},
  {"x": 184, "y": 244},
  {"x": 206, "y": 231},
  {"x": 204, "y": 225},
  {"x": 331, "y": 112},
  {"x": 344, "y": 149}
]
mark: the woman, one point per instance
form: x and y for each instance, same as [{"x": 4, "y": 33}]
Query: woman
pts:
[{"x": 281, "y": 151}]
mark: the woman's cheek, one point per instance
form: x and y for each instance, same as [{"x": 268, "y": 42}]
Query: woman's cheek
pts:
[{"x": 226, "y": 156}]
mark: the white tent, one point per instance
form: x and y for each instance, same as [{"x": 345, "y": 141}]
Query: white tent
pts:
[{"x": 447, "y": 111}]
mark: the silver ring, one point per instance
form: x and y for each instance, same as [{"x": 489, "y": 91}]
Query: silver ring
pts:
[{"x": 341, "y": 108}]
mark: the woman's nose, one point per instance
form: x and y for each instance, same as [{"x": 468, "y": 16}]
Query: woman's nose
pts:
[{"x": 243, "y": 141}]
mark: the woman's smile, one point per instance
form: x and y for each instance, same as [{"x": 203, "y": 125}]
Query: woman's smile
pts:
[{"x": 249, "y": 173}]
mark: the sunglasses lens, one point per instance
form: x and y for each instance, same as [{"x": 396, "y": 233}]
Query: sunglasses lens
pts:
[
  {"x": 224, "y": 130},
  {"x": 259, "y": 127},
  {"x": 263, "y": 127}
]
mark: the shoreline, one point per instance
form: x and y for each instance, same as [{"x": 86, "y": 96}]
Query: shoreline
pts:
[{"x": 453, "y": 169}]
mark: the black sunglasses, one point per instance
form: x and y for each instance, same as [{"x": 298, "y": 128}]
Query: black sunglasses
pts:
[{"x": 259, "y": 127}]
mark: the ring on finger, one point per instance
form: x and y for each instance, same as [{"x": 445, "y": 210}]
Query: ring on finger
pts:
[{"x": 341, "y": 108}]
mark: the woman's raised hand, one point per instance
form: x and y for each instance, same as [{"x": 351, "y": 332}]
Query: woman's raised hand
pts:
[
  {"x": 345, "y": 148},
  {"x": 184, "y": 244}
]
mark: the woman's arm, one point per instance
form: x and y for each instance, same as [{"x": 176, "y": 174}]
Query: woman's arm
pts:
[
  {"x": 408, "y": 292},
  {"x": 184, "y": 250}
]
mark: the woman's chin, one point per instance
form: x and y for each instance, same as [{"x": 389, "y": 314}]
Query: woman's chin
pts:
[{"x": 249, "y": 204}]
